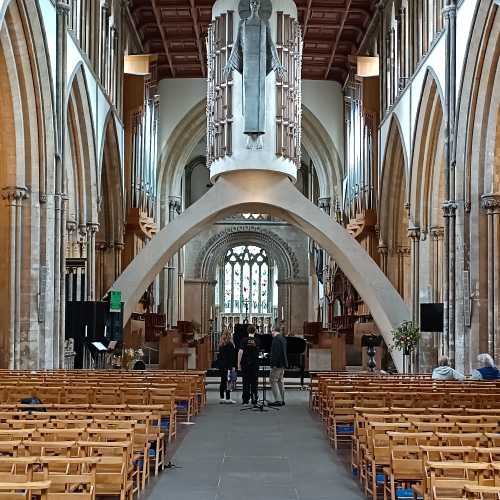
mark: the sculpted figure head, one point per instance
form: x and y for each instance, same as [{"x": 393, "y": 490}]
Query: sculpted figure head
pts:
[{"x": 254, "y": 6}]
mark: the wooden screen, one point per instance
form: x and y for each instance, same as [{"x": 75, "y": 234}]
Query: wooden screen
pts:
[
  {"x": 289, "y": 91},
  {"x": 219, "y": 99}
]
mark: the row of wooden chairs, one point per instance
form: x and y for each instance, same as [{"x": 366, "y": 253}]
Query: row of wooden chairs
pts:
[
  {"x": 66, "y": 478},
  {"x": 121, "y": 421},
  {"x": 398, "y": 425}
]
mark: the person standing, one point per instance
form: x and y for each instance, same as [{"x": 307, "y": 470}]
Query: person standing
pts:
[
  {"x": 248, "y": 363},
  {"x": 226, "y": 362},
  {"x": 278, "y": 363}
]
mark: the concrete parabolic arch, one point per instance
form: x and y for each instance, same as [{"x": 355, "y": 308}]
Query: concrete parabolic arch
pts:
[{"x": 272, "y": 193}]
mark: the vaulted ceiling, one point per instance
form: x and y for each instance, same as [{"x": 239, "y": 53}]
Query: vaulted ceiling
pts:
[{"x": 176, "y": 31}]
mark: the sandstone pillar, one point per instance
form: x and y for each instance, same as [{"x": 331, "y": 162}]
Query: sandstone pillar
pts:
[
  {"x": 449, "y": 206},
  {"x": 62, "y": 11},
  {"x": 14, "y": 196},
  {"x": 383, "y": 251},
  {"x": 491, "y": 204},
  {"x": 91, "y": 260}
]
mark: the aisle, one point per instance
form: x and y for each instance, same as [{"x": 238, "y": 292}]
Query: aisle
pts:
[{"x": 233, "y": 455}]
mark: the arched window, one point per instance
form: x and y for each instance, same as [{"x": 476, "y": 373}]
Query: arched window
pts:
[{"x": 247, "y": 281}]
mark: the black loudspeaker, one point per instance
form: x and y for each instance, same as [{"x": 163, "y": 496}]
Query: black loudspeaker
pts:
[{"x": 432, "y": 317}]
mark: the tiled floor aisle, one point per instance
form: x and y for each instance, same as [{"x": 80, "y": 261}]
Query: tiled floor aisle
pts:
[{"x": 233, "y": 455}]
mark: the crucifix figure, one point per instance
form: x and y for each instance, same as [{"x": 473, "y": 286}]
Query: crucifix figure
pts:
[{"x": 254, "y": 55}]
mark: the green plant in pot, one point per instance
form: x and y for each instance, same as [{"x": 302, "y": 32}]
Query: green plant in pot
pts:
[{"x": 405, "y": 338}]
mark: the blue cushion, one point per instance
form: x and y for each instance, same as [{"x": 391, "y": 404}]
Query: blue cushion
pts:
[
  {"x": 354, "y": 472},
  {"x": 345, "y": 429},
  {"x": 404, "y": 493},
  {"x": 380, "y": 478},
  {"x": 152, "y": 453},
  {"x": 139, "y": 463},
  {"x": 182, "y": 405},
  {"x": 165, "y": 423}
]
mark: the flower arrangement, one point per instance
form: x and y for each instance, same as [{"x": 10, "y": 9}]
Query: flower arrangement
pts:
[{"x": 405, "y": 337}]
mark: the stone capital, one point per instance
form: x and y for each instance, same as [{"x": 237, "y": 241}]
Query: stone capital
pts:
[
  {"x": 13, "y": 194},
  {"x": 92, "y": 228},
  {"x": 324, "y": 204},
  {"x": 71, "y": 226},
  {"x": 82, "y": 231},
  {"x": 174, "y": 203},
  {"x": 491, "y": 203},
  {"x": 437, "y": 233},
  {"x": 414, "y": 233},
  {"x": 62, "y": 7},
  {"x": 401, "y": 250},
  {"x": 449, "y": 11},
  {"x": 382, "y": 249},
  {"x": 449, "y": 209}
]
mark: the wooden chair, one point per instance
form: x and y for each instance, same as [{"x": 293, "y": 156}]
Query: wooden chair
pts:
[
  {"x": 17, "y": 469},
  {"x": 405, "y": 470},
  {"x": 448, "y": 479},
  {"x": 461, "y": 438},
  {"x": 70, "y": 478},
  {"x": 9, "y": 490},
  {"x": 481, "y": 492},
  {"x": 113, "y": 475}
]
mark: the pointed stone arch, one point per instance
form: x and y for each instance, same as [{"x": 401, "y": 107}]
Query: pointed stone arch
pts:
[
  {"x": 111, "y": 216},
  {"x": 81, "y": 160},
  {"x": 27, "y": 151},
  {"x": 478, "y": 183},
  {"x": 217, "y": 246},
  {"x": 427, "y": 171},
  {"x": 393, "y": 214}
]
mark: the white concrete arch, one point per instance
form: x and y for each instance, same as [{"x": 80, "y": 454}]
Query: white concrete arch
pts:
[{"x": 273, "y": 194}]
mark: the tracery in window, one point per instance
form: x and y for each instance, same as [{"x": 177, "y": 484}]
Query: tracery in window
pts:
[{"x": 246, "y": 280}]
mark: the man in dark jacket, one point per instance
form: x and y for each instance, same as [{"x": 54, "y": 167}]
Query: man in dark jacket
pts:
[
  {"x": 279, "y": 362},
  {"x": 248, "y": 363}
]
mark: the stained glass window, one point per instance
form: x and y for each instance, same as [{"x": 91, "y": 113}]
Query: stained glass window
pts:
[{"x": 246, "y": 280}]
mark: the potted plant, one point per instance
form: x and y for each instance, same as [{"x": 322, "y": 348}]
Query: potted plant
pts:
[{"x": 405, "y": 338}]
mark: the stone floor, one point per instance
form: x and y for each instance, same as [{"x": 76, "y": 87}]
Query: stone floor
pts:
[{"x": 233, "y": 455}]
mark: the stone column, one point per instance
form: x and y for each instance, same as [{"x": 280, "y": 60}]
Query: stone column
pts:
[
  {"x": 402, "y": 254},
  {"x": 119, "y": 246},
  {"x": 414, "y": 236},
  {"x": 325, "y": 205},
  {"x": 101, "y": 249},
  {"x": 383, "y": 252},
  {"x": 437, "y": 277},
  {"x": 382, "y": 56},
  {"x": 171, "y": 292},
  {"x": 62, "y": 11},
  {"x": 449, "y": 206},
  {"x": 92, "y": 229},
  {"x": 399, "y": 65},
  {"x": 491, "y": 204},
  {"x": 14, "y": 196}
]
